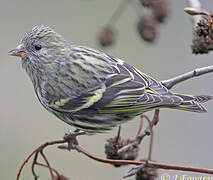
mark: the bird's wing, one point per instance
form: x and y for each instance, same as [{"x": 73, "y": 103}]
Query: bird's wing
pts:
[
  {"x": 118, "y": 90},
  {"x": 128, "y": 91},
  {"x": 123, "y": 88},
  {"x": 136, "y": 94}
]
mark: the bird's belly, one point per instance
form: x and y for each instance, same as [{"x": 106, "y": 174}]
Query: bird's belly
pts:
[{"x": 93, "y": 123}]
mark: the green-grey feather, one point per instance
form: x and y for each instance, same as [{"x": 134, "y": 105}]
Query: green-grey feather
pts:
[{"x": 90, "y": 89}]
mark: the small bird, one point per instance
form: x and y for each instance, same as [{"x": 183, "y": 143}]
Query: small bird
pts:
[{"x": 90, "y": 89}]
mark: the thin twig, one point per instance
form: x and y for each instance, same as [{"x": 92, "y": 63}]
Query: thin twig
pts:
[
  {"x": 48, "y": 164},
  {"x": 54, "y": 170},
  {"x": 195, "y": 4},
  {"x": 140, "y": 127},
  {"x": 150, "y": 145},
  {"x": 154, "y": 122},
  {"x": 118, "y": 162},
  {"x": 118, "y": 134},
  {"x": 35, "y": 151},
  {"x": 117, "y": 13},
  {"x": 33, "y": 165},
  {"x": 151, "y": 164},
  {"x": 197, "y": 72},
  {"x": 140, "y": 137},
  {"x": 146, "y": 132}
]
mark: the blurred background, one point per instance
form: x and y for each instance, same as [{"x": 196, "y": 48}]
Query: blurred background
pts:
[{"x": 180, "y": 138}]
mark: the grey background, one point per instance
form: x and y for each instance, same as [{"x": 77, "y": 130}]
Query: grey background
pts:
[{"x": 180, "y": 137}]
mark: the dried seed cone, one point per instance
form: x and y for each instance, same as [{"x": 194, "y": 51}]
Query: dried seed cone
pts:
[
  {"x": 147, "y": 174},
  {"x": 147, "y": 28},
  {"x": 160, "y": 9},
  {"x": 203, "y": 36},
  {"x": 113, "y": 145},
  {"x": 106, "y": 36}
]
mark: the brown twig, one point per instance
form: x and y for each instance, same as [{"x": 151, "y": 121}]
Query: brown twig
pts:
[
  {"x": 140, "y": 137},
  {"x": 54, "y": 170},
  {"x": 152, "y": 123},
  {"x": 48, "y": 164},
  {"x": 33, "y": 165},
  {"x": 148, "y": 163},
  {"x": 146, "y": 132},
  {"x": 37, "y": 163},
  {"x": 112, "y": 161},
  {"x": 150, "y": 145},
  {"x": 35, "y": 151},
  {"x": 140, "y": 127},
  {"x": 118, "y": 134}
]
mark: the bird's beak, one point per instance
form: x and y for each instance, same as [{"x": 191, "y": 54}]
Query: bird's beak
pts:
[{"x": 18, "y": 51}]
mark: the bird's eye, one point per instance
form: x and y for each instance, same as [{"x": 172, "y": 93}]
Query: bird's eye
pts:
[{"x": 37, "y": 47}]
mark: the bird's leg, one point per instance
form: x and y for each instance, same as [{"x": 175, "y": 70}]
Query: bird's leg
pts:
[{"x": 71, "y": 139}]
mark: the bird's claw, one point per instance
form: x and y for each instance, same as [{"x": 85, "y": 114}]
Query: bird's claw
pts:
[
  {"x": 70, "y": 134},
  {"x": 71, "y": 139}
]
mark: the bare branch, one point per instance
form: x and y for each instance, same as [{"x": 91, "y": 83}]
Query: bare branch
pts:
[
  {"x": 151, "y": 164},
  {"x": 48, "y": 164},
  {"x": 196, "y": 5},
  {"x": 33, "y": 166},
  {"x": 54, "y": 170},
  {"x": 35, "y": 151},
  {"x": 197, "y": 72},
  {"x": 146, "y": 132}
]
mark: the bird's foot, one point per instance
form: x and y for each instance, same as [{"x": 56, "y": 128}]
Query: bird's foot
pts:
[{"x": 71, "y": 139}]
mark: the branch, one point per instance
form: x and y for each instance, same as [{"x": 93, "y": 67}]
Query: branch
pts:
[
  {"x": 117, "y": 13},
  {"x": 48, "y": 164},
  {"x": 143, "y": 134},
  {"x": 196, "y": 5},
  {"x": 151, "y": 164},
  {"x": 41, "y": 147},
  {"x": 54, "y": 170},
  {"x": 169, "y": 83},
  {"x": 80, "y": 149}
]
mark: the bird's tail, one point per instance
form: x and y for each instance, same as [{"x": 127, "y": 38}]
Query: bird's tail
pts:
[{"x": 192, "y": 103}]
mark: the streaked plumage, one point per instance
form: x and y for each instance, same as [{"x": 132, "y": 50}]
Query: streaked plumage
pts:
[{"x": 90, "y": 89}]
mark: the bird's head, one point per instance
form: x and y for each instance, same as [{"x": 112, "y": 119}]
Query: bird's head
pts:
[{"x": 40, "y": 45}]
